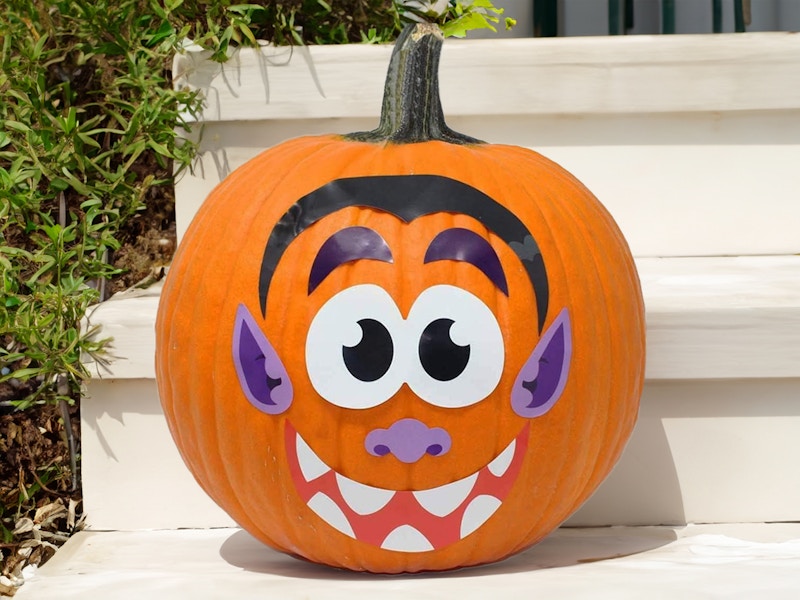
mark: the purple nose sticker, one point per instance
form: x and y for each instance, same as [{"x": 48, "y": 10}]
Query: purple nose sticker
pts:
[{"x": 408, "y": 440}]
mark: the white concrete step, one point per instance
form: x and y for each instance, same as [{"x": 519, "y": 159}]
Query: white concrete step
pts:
[
  {"x": 692, "y": 143},
  {"x": 717, "y": 440},
  {"x": 736, "y": 562}
]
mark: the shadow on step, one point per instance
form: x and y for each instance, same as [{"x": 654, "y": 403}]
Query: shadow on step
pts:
[{"x": 563, "y": 548}]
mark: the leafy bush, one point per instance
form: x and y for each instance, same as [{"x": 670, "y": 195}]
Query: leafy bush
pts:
[{"x": 87, "y": 131}]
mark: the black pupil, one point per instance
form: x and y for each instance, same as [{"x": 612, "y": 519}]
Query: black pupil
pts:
[
  {"x": 441, "y": 357},
  {"x": 372, "y": 356}
]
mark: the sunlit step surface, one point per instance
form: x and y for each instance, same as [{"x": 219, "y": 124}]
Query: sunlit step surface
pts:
[{"x": 737, "y": 562}]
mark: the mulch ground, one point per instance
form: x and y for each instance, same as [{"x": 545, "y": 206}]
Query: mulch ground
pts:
[
  {"x": 40, "y": 493},
  {"x": 39, "y": 490}
]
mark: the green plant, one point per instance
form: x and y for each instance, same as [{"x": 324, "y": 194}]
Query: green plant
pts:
[
  {"x": 87, "y": 131},
  {"x": 87, "y": 141},
  {"x": 223, "y": 24},
  {"x": 456, "y": 17}
]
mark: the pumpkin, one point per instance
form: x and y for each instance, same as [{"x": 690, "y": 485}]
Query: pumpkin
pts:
[{"x": 401, "y": 350}]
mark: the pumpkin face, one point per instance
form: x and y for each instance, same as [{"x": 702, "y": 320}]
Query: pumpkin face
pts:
[
  {"x": 400, "y": 357},
  {"x": 403, "y": 363}
]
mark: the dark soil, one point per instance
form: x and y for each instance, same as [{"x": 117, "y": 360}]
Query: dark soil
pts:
[
  {"x": 148, "y": 238},
  {"x": 37, "y": 461},
  {"x": 35, "y": 443}
]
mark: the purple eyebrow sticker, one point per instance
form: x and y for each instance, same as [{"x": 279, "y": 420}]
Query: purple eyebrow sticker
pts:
[
  {"x": 467, "y": 246},
  {"x": 347, "y": 245}
]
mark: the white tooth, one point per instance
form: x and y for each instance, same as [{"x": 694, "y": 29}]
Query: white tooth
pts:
[
  {"x": 406, "y": 539},
  {"x": 477, "y": 513},
  {"x": 500, "y": 464},
  {"x": 310, "y": 464},
  {"x": 443, "y": 500},
  {"x": 363, "y": 499},
  {"x": 327, "y": 510}
]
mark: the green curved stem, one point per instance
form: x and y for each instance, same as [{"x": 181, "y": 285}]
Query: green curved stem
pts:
[{"x": 412, "y": 110}]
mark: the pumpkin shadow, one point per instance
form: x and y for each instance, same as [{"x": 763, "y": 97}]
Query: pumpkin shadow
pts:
[{"x": 565, "y": 547}]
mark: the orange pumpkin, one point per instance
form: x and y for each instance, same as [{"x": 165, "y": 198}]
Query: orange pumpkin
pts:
[{"x": 402, "y": 350}]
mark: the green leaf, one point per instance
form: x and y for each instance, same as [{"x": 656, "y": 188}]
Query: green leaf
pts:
[
  {"x": 88, "y": 140},
  {"x": 22, "y": 373},
  {"x": 244, "y": 8},
  {"x": 110, "y": 49},
  {"x": 16, "y": 126},
  {"x": 59, "y": 184},
  {"x": 49, "y": 262},
  {"x": 39, "y": 48},
  {"x": 163, "y": 32},
  {"x": 248, "y": 34},
  {"x": 76, "y": 184},
  {"x": 467, "y": 22},
  {"x": 71, "y": 120},
  {"x": 91, "y": 203},
  {"x": 53, "y": 232}
]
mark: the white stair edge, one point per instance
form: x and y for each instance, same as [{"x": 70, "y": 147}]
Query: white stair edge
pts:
[
  {"x": 707, "y": 318},
  {"x": 734, "y": 561},
  {"x": 573, "y": 75}
]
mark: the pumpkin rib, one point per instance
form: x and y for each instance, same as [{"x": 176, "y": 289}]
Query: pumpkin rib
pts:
[
  {"x": 245, "y": 501},
  {"x": 166, "y": 314},
  {"x": 568, "y": 221},
  {"x": 601, "y": 212},
  {"x": 493, "y": 173},
  {"x": 552, "y": 262},
  {"x": 193, "y": 240},
  {"x": 196, "y": 243},
  {"x": 603, "y": 419},
  {"x": 622, "y": 434},
  {"x": 618, "y": 435},
  {"x": 463, "y": 155},
  {"x": 285, "y": 304},
  {"x": 592, "y": 213},
  {"x": 605, "y": 215},
  {"x": 567, "y": 503},
  {"x": 472, "y": 544}
]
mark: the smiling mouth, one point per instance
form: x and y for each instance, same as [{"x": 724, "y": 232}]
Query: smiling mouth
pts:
[{"x": 403, "y": 520}]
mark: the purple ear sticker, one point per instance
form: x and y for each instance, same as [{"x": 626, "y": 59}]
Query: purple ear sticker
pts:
[
  {"x": 263, "y": 377},
  {"x": 544, "y": 375}
]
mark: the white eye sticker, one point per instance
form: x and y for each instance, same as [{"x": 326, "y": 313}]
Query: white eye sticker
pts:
[
  {"x": 352, "y": 348},
  {"x": 360, "y": 350},
  {"x": 457, "y": 345}
]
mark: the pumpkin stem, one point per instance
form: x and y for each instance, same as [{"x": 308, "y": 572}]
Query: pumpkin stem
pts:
[{"x": 412, "y": 110}]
